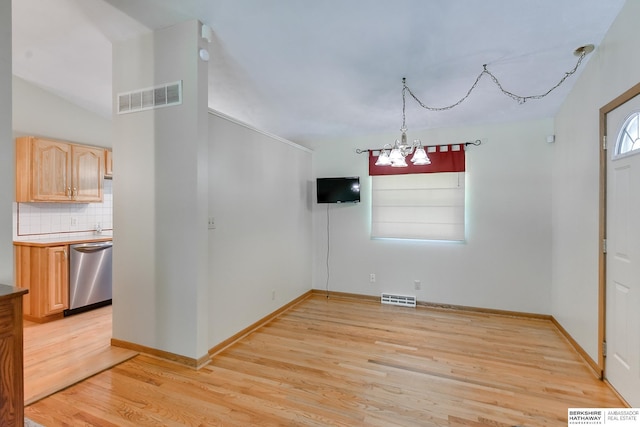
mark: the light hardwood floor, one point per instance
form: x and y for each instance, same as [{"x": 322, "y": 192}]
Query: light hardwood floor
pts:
[
  {"x": 61, "y": 353},
  {"x": 350, "y": 363}
]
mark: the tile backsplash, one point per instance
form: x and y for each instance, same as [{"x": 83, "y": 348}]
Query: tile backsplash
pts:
[{"x": 34, "y": 219}]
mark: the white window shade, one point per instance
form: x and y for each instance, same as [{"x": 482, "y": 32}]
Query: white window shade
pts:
[{"x": 418, "y": 206}]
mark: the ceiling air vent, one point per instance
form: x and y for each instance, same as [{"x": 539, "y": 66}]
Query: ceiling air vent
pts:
[
  {"x": 403, "y": 300},
  {"x": 154, "y": 97}
]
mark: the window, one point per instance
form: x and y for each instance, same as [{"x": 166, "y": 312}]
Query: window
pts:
[
  {"x": 629, "y": 137},
  {"x": 426, "y": 206}
]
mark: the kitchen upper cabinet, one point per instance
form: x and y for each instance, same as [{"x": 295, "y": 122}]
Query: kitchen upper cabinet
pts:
[
  {"x": 44, "y": 271},
  {"x": 57, "y": 171},
  {"x": 87, "y": 165},
  {"x": 108, "y": 164},
  {"x": 51, "y": 169}
]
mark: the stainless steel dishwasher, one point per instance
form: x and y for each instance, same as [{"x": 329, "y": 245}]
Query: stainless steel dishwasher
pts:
[{"x": 90, "y": 276}]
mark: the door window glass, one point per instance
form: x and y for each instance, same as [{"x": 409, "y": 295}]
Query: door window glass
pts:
[{"x": 629, "y": 136}]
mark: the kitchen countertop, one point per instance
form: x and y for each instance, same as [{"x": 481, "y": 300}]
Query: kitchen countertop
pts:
[
  {"x": 71, "y": 240},
  {"x": 7, "y": 291}
]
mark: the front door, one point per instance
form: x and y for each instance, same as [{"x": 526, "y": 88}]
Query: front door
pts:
[{"x": 622, "y": 362}]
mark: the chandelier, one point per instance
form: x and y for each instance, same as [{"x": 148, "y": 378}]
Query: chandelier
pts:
[{"x": 395, "y": 155}]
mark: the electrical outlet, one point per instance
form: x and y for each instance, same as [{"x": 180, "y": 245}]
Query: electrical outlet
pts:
[
  {"x": 372, "y": 278},
  {"x": 273, "y": 294},
  {"x": 74, "y": 221},
  {"x": 211, "y": 223},
  {"x": 417, "y": 284}
]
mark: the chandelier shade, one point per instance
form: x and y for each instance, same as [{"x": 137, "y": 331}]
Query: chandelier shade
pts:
[
  {"x": 383, "y": 159},
  {"x": 420, "y": 155}
]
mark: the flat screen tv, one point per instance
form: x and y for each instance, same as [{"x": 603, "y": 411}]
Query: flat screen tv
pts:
[{"x": 338, "y": 190}]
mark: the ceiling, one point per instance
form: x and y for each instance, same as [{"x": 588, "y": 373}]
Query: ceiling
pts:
[{"x": 308, "y": 70}]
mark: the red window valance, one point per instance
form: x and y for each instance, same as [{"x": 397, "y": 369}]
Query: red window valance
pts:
[{"x": 444, "y": 158}]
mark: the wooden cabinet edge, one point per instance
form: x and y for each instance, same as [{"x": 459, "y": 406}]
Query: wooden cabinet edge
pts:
[
  {"x": 12, "y": 360},
  {"x": 108, "y": 163},
  {"x": 23, "y": 168},
  {"x": 22, "y": 256}
]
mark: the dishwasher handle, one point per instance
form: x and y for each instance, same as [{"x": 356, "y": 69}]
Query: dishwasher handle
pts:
[{"x": 92, "y": 247}]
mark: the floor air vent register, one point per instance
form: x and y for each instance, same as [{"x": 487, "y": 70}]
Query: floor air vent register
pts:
[{"x": 402, "y": 300}]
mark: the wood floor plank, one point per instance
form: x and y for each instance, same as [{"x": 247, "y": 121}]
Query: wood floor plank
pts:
[
  {"x": 61, "y": 353},
  {"x": 345, "y": 362}
]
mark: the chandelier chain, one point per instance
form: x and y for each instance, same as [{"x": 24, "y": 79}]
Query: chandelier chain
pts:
[
  {"x": 404, "y": 116},
  {"x": 518, "y": 98}
]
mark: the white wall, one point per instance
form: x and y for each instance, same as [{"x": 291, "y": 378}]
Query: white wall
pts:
[
  {"x": 178, "y": 286},
  {"x": 612, "y": 69},
  {"x": 160, "y": 208},
  {"x": 7, "y": 178},
  {"x": 505, "y": 262},
  {"x": 259, "y": 197},
  {"x": 41, "y": 113}
]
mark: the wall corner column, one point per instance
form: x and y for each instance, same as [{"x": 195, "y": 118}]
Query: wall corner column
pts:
[{"x": 160, "y": 196}]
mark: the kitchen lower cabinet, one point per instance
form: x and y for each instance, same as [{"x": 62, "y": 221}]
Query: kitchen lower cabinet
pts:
[{"x": 44, "y": 271}]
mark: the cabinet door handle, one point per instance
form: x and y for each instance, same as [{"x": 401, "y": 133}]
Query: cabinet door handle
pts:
[
  {"x": 69, "y": 192},
  {"x": 65, "y": 253},
  {"x": 75, "y": 192}
]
